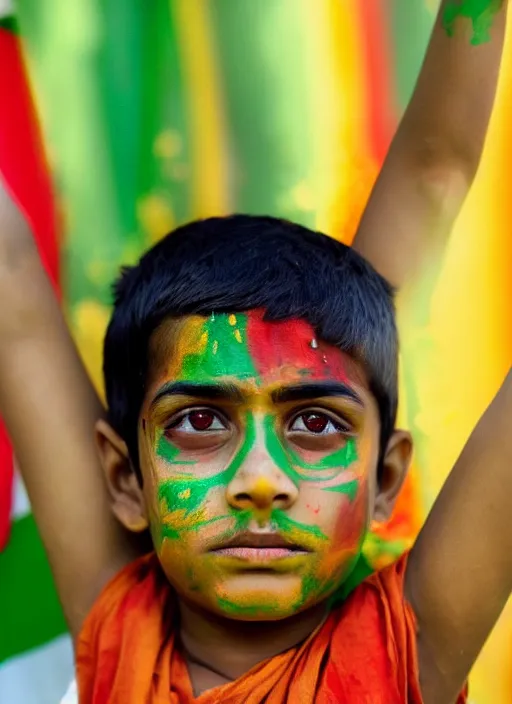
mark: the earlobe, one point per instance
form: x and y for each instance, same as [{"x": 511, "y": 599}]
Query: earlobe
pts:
[
  {"x": 127, "y": 500},
  {"x": 393, "y": 471}
]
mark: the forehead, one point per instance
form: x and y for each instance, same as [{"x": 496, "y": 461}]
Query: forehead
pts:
[{"x": 243, "y": 346}]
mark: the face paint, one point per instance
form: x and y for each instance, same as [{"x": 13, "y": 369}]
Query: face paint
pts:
[
  {"x": 480, "y": 12},
  {"x": 193, "y": 508}
]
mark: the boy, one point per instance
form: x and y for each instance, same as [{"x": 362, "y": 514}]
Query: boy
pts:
[{"x": 257, "y": 462}]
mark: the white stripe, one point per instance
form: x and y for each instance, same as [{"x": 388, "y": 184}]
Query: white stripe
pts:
[
  {"x": 6, "y": 8},
  {"x": 71, "y": 696},
  {"x": 39, "y": 676},
  {"x": 21, "y": 504}
]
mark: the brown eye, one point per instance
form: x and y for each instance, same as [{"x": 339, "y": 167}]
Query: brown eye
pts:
[
  {"x": 315, "y": 422},
  {"x": 201, "y": 420},
  {"x": 197, "y": 420}
]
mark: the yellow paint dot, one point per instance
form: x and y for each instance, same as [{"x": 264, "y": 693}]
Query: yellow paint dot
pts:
[
  {"x": 204, "y": 339},
  {"x": 232, "y": 319},
  {"x": 261, "y": 492},
  {"x": 185, "y": 494},
  {"x": 238, "y": 336},
  {"x": 215, "y": 347}
]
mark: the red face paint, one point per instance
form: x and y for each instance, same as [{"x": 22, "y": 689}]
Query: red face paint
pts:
[{"x": 291, "y": 345}]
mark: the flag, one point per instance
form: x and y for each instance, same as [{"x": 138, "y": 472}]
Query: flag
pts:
[{"x": 36, "y": 661}]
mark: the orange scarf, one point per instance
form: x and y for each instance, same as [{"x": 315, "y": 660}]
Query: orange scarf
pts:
[{"x": 364, "y": 653}]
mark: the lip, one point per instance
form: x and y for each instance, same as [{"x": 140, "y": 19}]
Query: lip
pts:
[{"x": 258, "y": 547}]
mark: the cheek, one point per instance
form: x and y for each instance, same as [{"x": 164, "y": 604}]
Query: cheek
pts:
[
  {"x": 342, "y": 519},
  {"x": 351, "y": 521}
]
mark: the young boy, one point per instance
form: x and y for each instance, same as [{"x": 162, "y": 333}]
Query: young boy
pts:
[{"x": 250, "y": 369}]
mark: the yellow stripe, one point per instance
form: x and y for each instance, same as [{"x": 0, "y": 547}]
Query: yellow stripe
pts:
[
  {"x": 209, "y": 159},
  {"x": 343, "y": 171}
]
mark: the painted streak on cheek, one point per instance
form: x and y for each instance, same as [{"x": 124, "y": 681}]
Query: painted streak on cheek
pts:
[
  {"x": 183, "y": 499},
  {"x": 347, "y": 535},
  {"x": 298, "y": 469}
]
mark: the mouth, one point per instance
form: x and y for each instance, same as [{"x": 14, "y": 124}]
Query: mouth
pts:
[{"x": 259, "y": 548}]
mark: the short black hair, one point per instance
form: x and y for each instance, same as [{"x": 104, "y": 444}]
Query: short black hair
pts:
[{"x": 244, "y": 262}]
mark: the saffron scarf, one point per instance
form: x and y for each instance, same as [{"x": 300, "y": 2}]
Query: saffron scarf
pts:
[{"x": 364, "y": 653}]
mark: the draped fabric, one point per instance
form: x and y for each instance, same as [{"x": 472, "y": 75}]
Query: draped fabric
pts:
[
  {"x": 364, "y": 651},
  {"x": 156, "y": 113}
]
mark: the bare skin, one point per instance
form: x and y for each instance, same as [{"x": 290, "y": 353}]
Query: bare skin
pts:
[
  {"x": 50, "y": 407},
  {"x": 434, "y": 156}
]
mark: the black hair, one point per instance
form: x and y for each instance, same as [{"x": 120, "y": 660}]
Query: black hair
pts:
[{"x": 243, "y": 262}]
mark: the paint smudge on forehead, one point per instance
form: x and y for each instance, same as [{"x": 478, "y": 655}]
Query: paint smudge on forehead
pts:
[
  {"x": 244, "y": 346},
  {"x": 291, "y": 344},
  {"x": 212, "y": 347}
]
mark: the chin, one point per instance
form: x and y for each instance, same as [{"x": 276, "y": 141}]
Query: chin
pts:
[{"x": 264, "y": 596}]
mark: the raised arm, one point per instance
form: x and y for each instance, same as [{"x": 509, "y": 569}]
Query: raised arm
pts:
[
  {"x": 459, "y": 575},
  {"x": 50, "y": 407},
  {"x": 435, "y": 154}
]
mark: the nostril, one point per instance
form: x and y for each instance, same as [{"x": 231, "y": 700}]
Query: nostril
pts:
[
  {"x": 281, "y": 497},
  {"x": 242, "y": 497}
]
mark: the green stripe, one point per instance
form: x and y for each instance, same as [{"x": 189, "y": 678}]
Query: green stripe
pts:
[
  {"x": 411, "y": 23},
  {"x": 10, "y": 23},
  {"x": 119, "y": 78},
  {"x": 30, "y": 612},
  {"x": 267, "y": 107},
  {"x": 166, "y": 175}
]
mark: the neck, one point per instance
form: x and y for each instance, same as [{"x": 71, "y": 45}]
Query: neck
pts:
[{"x": 231, "y": 648}]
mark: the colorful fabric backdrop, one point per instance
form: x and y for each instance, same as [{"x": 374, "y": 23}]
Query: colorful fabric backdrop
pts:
[{"x": 156, "y": 113}]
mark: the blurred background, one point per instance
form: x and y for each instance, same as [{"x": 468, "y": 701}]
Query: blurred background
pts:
[{"x": 154, "y": 113}]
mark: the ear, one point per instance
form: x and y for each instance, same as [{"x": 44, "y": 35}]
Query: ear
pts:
[
  {"x": 126, "y": 495},
  {"x": 393, "y": 470}
]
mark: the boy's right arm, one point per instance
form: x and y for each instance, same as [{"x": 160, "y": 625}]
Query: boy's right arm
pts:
[
  {"x": 435, "y": 154},
  {"x": 50, "y": 408}
]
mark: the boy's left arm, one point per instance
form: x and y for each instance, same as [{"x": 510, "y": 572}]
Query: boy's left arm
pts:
[{"x": 459, "y": 574}]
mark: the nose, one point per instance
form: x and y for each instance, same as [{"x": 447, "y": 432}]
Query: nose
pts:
[{"x": 261, "y": 489}]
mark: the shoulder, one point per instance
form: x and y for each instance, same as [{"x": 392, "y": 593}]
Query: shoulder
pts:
[
  {"x": 131, "y": 615},
  {"x": 373, "y": 649},
  {"x": 140, "y": 587},
  {"x": 373, "y": 643}
]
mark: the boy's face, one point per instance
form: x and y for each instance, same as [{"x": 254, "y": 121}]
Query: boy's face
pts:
[{"x": 258, "y": 450}]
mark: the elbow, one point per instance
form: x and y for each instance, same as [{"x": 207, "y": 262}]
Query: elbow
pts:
[{"x": 445, "y": 186}]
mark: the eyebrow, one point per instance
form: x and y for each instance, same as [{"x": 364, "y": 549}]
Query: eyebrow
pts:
[
  {"x": 305, "y": 392},
  {"x": 230, "y": 392},
  {"x": 212, "y": 392}
]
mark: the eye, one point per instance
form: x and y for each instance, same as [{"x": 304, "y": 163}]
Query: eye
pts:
[
  {"x": 316, "y": 423},
  {"x": 200, "y": 420}
]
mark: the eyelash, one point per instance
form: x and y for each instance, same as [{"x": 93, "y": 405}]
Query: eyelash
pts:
[
  {"x": 186, "y": 414},
  {"x": 342, "y": 426}
]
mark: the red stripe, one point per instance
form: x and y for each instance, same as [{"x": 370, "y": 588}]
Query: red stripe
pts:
[
  {"x": 6, "y": 486},
  {"x": 376, "y": 51},
  {"x": 22, "y": 160},
  {"x": 23, "y": 168}
]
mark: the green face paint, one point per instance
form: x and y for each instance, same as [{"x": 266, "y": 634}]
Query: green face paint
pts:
[
  {"x": 222, "y": 351},
  {"x": 192, "y": 488},
  {"x": 169, "y": 452},
  {"x": 481, "y": 13},
  {"x": 184, "y": 494},
  {"x": 286, "y": 459}
]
